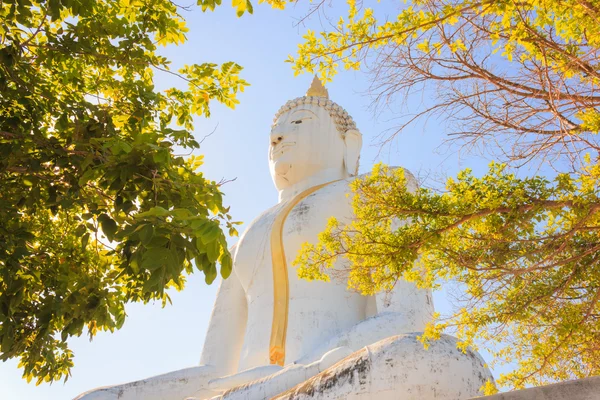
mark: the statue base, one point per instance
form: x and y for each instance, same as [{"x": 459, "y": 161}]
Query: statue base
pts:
[{"x": 398, "y": 367}]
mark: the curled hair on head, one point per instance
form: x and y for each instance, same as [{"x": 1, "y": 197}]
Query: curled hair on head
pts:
[{"x": 343, "y": 120}]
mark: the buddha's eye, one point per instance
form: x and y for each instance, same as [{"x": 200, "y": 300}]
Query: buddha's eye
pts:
[{"x": 298, "y": 121}]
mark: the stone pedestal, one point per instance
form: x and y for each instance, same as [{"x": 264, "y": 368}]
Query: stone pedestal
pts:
[{"x": 580, "y": 389}]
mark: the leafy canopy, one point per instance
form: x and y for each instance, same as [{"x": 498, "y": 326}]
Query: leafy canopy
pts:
[
  {"x": 522, "y": 78},
  {"x": 97, "y": 209},
  {"x": 526, "y": 252}
]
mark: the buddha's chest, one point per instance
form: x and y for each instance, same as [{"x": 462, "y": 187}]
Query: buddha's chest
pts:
[
  {"x": 253, "y": 253},
  {"x": 314, "y": 310},
  {"x": 257, "y": 249}
]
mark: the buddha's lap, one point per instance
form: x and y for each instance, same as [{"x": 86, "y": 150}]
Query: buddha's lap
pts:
[{"x": 398, "y": 364}]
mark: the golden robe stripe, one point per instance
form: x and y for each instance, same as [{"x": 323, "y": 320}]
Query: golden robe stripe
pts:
[{"x": 281, "y": 284}]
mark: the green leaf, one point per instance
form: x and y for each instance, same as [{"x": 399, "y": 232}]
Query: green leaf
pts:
[
  {"x": 157, "y": 241},
  {"x": 210, "y": 274},
  {"x": 213, "y": 250},
  {"x": 146, "y": 234},
  {"x": 84, "y": 240},
  {"x": 109, "y": 226},
  {"x": 210, "y": 234},
  {"x": 154, "y": 212},
  {"x": 161, "y": 156},
  {"x": 155, "y": 282},
  {"x": 135, "y": 262},
  {"x": 81, "y": 229},
  {"x": 157, "y": 257},
  {"x": 202, "y": 263},
  {"x": 226, "y": 265}
]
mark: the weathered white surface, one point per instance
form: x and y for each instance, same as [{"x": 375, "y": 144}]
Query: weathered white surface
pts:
[
  {"x": 292, "y": 375},
  {"x": 171, "y": 386},
  {"x": 312, "y": 142},
  {"x": 580, "y": 389},
  {"x": 398, "y": 368},
  {"x": 252, "y": 374},
  {"x": 224, "y": 338}
]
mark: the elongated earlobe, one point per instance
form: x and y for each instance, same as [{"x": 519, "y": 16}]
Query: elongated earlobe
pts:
[{"x": 352, "y": 146}]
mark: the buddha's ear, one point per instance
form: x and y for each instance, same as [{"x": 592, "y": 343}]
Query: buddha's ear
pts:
[{"x": 352, "y": 146}]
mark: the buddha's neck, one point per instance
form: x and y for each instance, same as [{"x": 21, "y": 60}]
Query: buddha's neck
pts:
[{"x": 324, "y": 176}]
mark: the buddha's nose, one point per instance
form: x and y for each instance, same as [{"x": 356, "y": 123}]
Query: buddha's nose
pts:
[{"x": 276, "y": 137}]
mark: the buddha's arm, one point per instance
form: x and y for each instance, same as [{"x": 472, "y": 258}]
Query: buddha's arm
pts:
[
  {"x": 412, "y": 305},
  {"x": 405, "y": 309},
  {"x": 225, "y": 335}
]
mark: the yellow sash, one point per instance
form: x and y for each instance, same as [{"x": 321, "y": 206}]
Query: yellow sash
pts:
[{"x": 281, "y": 284}]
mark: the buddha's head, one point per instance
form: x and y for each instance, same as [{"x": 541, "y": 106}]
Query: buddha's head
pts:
[{"x": 312, "y": 134}]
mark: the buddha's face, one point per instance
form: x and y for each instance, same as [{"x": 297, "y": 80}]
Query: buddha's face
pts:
[{"x": 303, "y": 142}]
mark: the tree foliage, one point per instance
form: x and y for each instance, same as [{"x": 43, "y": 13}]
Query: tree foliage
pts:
[
  {"x": 96, "y": 208},
  {"x": 526, "y": 251},
  {"x": 523, "y": 75},
  {"x": 522, "y": 78}
]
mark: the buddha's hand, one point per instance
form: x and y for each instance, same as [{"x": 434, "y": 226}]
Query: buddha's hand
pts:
[
  {"x": 240, "y": 378},
  {"x": 333, "y": 357},
  {"x": 290, "y": 373},
  {"x": 267, "y": 381}
]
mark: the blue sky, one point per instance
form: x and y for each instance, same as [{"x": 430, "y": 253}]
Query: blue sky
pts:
[{"x": 156, "y": 340}]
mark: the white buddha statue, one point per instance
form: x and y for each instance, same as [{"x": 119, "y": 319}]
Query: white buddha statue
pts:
[{"x": 273, "y": 335}]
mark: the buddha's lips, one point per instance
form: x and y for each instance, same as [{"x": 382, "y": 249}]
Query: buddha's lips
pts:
[{"x": 281, "y": 148}]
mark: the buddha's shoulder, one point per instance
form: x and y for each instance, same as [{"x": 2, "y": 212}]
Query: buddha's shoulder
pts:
[
  {"x": 343, "y": 186},
  {"x": 407, "y": 174}
]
